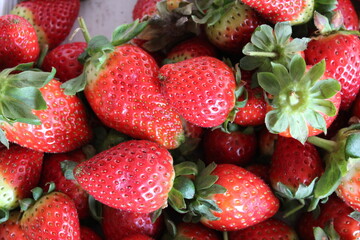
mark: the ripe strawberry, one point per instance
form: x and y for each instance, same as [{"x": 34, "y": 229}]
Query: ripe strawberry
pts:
[
  {"x": 260, "y": 170},
  {"x": 356, "y": 107},
  {"x": 191, "y": 48},
  {"x": 247, "y": 201},
  {"x": 144, "y": 8},
  {"x": 271, "y": 229},
  {"x": 349, "y": 188},
  {"x": 52, "y": 19},
  {"x": 200, "y": 89},
  {"x": 195, "y": 231},
  {"x": 64, "y": 125},
  {"x": 11, "y": 229},
  {"x": 347, "y": 9},
  {"x": 234, "y": 147},
  {"x": 87, "y": 233},
  {"x": 52, "y": 172},
  {"x": 136, "y": 175},
  {"x": 117, "y": 224},
  {"x": 138, "y": 237},
  {"x": 20, "y": 170},
  {"x": 295, "y": 12},
  {"x": 65, "y": 59},
  {"x": 267, "y": 142},
  {"x": 18, "y": 41},
  {"x": 53, "y": 216},
  {"x": 341, "y": 52}
]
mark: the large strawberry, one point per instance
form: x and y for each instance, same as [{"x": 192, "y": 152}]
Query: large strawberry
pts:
[
  {"x": 194, "y": 231},
  {"x": 11, "y": 229},
  {"x": 18, "y": 41},
  {"x": 38, "y": 115},
  {"x": 20, "y": 170},
  {"x": 201, "y": 89},
  {"x": 52, "y": 19},
  {"x": 65, "y": 59},
  {"x": 120, "y": 83},
  {"x": 341, "y": 52},
  {"x": 136, "y": 175}
]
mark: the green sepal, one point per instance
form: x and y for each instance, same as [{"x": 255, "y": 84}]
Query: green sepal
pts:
[
  {"x": 304, "y": 191},
  {"x": 211, "y": 204},
  {"x": 185, "y": 186},
  {"x": 214, "y": 189},
  {"x": 95, "y": 208},
  {"x": 31, "y": 96},
  {"x": 316, "y": 120},
  {"x": 75, "y": 85},
  {"x": 127, "y": 32},
  {"x": 269, "y": 82},
  {"x": 14, "y": 110},
  {"x": 202, "y": 209},
  {"x": 37, "y": 193},
  {"x": 352, "y": 149},
  {"x": 170, "y": 227},
  {"x": 4, "y": 215},
  {"x": 155, "y": 215},
  {"x": 3, "y": 139},
  {"x": 328, "y": 233},
  {"x": 355, "y": 215},
  {"x": 210, "y": 13},
  {"x": 316, "y": 71},
  {"x": 98, "y": 48},
  {"x": 328, "y": 182},
  {"x": 276, "y": 122},
  {"x": 297, "y": 68},
  {"x": 52, "y": 186},
  {"x": 186, "y": 168},
  {"x": 325, "y": 6},
  {"x": 325, "y": 89},
  {"x": 31, "y": 78},
  {"x": 25, "y": 204},
  {"x": 67, "y": 168},
  {"x": 176, "y": 200}
]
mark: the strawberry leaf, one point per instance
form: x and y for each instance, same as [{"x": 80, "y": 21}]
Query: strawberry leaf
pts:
[
  {"x": 67, "y": 168},
  {"x": 352, "y": 146},
  {"x": 316, "y": 71},
  {"x": 325, "y": 89},
  {"x": 214, "y": 189},
  {"x": 3, "y": 139},
  {"x": 75, "y": 85},
  {"x": 328, "y": 182},
  {"x": 186, "y": 168},
  {"x": 316, "y": 120},
  {"x": 4, "y": 215},
  {"x": 31, "y": 96},
  {"x": 37, "y": 193},
  {"x": 355, "y": 215},
  {"x": 297, "y": 68},
  {"x": 176, "y": 200},
  {"x": 127, "y": 32},
  {"x": 185, "y": 186},
  {"x": 269, "y": 82},
  {"x": 323, "y": 106},
  {"x": 14, "y": 110},
  {"x": 304, "y": 191},
  {"x": 276, "y": 122},
  {"x": 283, "y": 32}
]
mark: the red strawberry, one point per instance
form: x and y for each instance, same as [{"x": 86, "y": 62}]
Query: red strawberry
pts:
[
  {"x": 52, "y": 19},
  {"x": 65, "y": 59},
  {"x": 117, "y": 224},
  {"x": 200, "y": 89},
  {"x": 234, "y": 147},
  {"x": 136, "y": 175},
  {"x": 295, "y": 12},
  {"x": 53, "y": 216},
  {"x": 347, "y": 9},
  {"x": 271, "y": 229},
  {"x": 267, "y": 142},
  {"x": 260, "y": 170},
  {"x": 144, "y": 8},
  {"x": 356, "y": 107},
  {"x": 87, "y": 233},
  {"x": 11, "y": 230},
  {"x": 247, "y": 201},
  {"x": 195, "y": 232},
  {"x": 64, "y": 125},
  {"x": 18, "y": 41},
  {"x": 341, "y": 53},
  {"x": 20, "y": 170},
  {"x": 138, "y": 237},
  {"x": 349, "y": 188},
  {"x": 52, "y": 172}
]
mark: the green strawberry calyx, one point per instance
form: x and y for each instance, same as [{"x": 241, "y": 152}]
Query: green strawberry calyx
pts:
[
  {"x": 210, "y": 12},
  {"x": 20, "y": 95},
  {"x": 298, "y": 98},
  {"x": 328, "y": 232},
  {"x": 331, "y": 23},
  {"x": 342, "y": 154},
  {"x": 98, "y": 48}
]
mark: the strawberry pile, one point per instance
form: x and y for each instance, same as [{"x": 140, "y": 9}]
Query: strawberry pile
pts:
[{"x": 220, "y": 119}]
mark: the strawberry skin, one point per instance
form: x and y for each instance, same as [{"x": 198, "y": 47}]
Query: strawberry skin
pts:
[
  {"x": 200, "y": 89},
  {"x": 20, "y": 170},
  {"x": 18, "y": 41},
  {"x": 248, "y": 200},
  {"x": 52, "y": 19},
  {"x": 117, "y": 223},
  {"x": 65, "y": 59},
  {"x": 136, "y": 175},
  {"x": 11, "y": 229},
  {"x": 138, "y": 237},
  {"x": 144, "y": 8},
  {"x": 195, "y": 231},
  {"x": 347, "y": 9},
  {"x": 342, "y": 56},
  {"x": 53, "y": 216},
  {"x": 64, "y": 123},
  {"x": 125, "y": 95},
  {"x": 88, "y": 234}
]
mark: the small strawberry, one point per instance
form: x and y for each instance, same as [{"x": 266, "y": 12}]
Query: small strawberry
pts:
[
  {"x": 295, "y": 12},
  {"x": 18, "y": 41},
  {"x": 52, "y": 19},
  {"x": 247, "y": 201},
  {"x": 52, "y": 172},
  {"x": 201, "y": 89},
  {"x": 144, "y": 8},
  {"x": 20, "y": 170},
  {"x": 271, "y": 229},
  {"x": 11, "y": 230},
  {"x": 195, "y": 232},
  {"x": 64, "y": 59},
  {"x": 341, "y": 52},
  {"x": 87, "y": 233},
  {"x": 117, "y": 224},
  {"x": 235, "y": 147},
  {"x": 136, "y": 175}
]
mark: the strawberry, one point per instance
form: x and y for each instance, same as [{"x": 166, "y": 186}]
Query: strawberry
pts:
[
  {"x": 267, "y": 142},
  {"x": 191, "y": 48},
  {"x": 121, "y": 86},
  {"x": 247, "y": 201},
  {"x": 136, "y": 175},
  {"x": 356, "y": 107},
  {"x": 49, "y": 121},
  {"x": 270, "y": 229},
  {"x": 11, "y": 229},
  {"x": 52, "y": 172},
  {"x": 65, "y": 59},
  {"x": 347, "y": 9},
  {"x": 144, "y": 8},
  {"x": 201, "y": 89},
  {"x": 295, "y": 12},
  {"x": 117, "y": 224},
  {"x": 87, "y": 233},
  {"x": 20, "y": 170},
  {"x": 341, "y": 52},
  {"x": 52, "y": 19},
  {"x": 260, "y": 170},
  {"x": 235, "y": 147},
  {"x": 19, "y": 43},
  {"x": 52, "y": 216},
  {"x": 195, "y": 232},
  {"x": 138, "y": 237}
]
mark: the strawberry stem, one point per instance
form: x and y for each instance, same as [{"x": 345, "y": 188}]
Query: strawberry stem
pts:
[
  {"x": 325, "y": 144},
  {"x": 225, "y": 236},
  {"x": 84, "y": 29}
]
